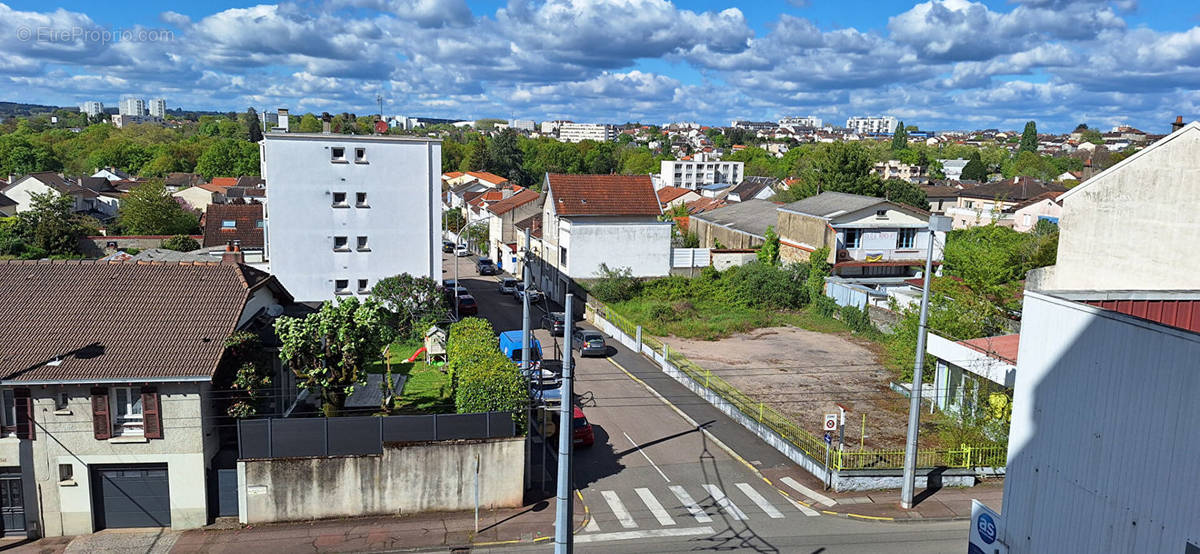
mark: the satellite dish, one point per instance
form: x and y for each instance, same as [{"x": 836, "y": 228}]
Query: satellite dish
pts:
[{"x": 274, "y": 310}]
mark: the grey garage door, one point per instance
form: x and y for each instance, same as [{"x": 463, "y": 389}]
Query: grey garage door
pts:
[{"x": 131, "y": 496}]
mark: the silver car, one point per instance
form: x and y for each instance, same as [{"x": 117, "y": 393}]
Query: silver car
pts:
[
  {"x": 508, "y": 285},
  {"x": 589, "y": 343}
]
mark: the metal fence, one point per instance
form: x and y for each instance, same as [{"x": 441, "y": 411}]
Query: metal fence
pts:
[
  {"x": 691, "y": 257},
  {"x": 362, "y": 435},
  {"x": 812, "y": 445}
]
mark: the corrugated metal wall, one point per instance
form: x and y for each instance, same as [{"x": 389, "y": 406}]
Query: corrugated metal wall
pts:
[
  {"x": 1184, "y": 314},
  {"x": 846, "y": 295},
  {"x": 1104, "y": 452}
]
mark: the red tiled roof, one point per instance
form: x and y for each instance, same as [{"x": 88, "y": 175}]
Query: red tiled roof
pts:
[
  {"x": 489, "y": 177},
  {"x": 1003, "y": 348},
  {"x": 245, "y": 218},
  {"x": 506, "y": 205},
  {"x": 576, "y": 195},
  {"x": 702, "y": 205},
  {"x": 1049, "y": 195},
  {"x": 224, "y": 181},
  {"x": 213, "y": 187},
  {"x": 119, "y": 320},
  {"x": 666, "y": 195},
  {"x": 532, "y": 224},
  {"x": 452, "y": 175}
]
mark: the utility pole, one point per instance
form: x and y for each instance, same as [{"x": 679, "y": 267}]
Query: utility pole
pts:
[
  {"x": 456, "y": 285},
  {"x": 564, "y": 541},
  {"x": 936, "y": 223},
  {"x": 525, "y": 317}
]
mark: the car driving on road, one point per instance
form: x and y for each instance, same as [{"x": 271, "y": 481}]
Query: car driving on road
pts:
[
  {"x": 461, "y": 251},
  {"x": 485, "y": 266},
  {"x": 508, "y": 285},
  {"x": 467, "y": 305},
  {"x": 589, "y": 343}
]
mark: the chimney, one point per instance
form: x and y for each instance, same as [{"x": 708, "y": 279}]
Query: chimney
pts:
[
  {"x": 325, "y": 119},
  {"x": 233, "y": 253},
  {"x": 283, "y": 120},
  {"x": 1178, "y": 123}
]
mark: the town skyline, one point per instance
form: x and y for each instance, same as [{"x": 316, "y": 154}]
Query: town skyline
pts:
[{"x": 940, "y": 65}]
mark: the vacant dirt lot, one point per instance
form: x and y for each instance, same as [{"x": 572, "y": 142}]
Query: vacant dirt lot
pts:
[{"x": 803, "y": 374}]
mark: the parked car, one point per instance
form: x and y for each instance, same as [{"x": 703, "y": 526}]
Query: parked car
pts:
[
  {"x": 455, "y": 291},
  {"x": 511, "y": 343},
  {"x": 589, "y": 343},
  {"x": 448, "y": 246},
  {"x": 546, "y": 393},
  {"x": 546, "y": 422},
  {"x": 508, "y": 285},
  {"x": 467, "y": 305},
  {"x": 535, "y": 295},
  {"x": 485, "y": 266},
  {"x": 449, "y": 283},
  {"x": 554, "y": 322},
  {"x": 461, "y": 251},
  {"x": 582, "y": 429}
]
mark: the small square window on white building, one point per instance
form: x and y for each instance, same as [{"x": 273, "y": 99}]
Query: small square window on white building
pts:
[
  {"x": 341, "y": 286},
  {"x": 360, "y": 155},
  {"x": 362, "y": 286},
  {"x": 337, "y": 154},
  {"x": 340, "y": 244},
  {"x": 339, "y": 200}
]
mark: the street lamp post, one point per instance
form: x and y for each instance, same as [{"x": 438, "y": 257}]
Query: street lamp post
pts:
[{"x": 936, "y": 224}]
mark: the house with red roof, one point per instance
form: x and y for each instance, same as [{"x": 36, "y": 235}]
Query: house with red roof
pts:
[
  {"x": 674, "y": 196},
  {"x": 503, "y": 216},
  {"x": 967, "y": 372},
  {"x": 589, "y": 220}
]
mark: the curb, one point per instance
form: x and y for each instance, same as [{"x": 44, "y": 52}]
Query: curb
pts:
[{"x": 755, "y": 470}]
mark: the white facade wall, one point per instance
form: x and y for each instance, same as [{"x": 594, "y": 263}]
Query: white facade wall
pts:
[
  {"x": 402, "y": 224},
  {"x": 1102, "y": 448},
  {"x": 525, "y": 125},
  {"x": 92, "y": 108},
  {"x": 644, "y": 246},
  {"x": 158, "y": 108},
  {"x": 811, "y": 122},
  {"x": 132, "y": 106},
  {"x": 579, "y": 132},
  {"x": 22, "y": 193},
  {"x": 872, "y": 124},
  {"x": 692, "y": 174}
]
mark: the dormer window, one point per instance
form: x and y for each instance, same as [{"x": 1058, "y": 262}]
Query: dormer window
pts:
[{"x": 881, "y": 214}]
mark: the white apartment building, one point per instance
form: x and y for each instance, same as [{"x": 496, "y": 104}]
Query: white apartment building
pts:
[
  {"x": 132, "y": 106},
  {"x": 810, "y": 122},
  {"x": 693, "y": 174},
  {"x": 753, "y": 125},
  {"x": 552, "y": 127},
  {"x": 579, "y": 132},
  {"x": 872, "y": 124},
  {"x": 92, "y": 108},
  {"x": 158, "y": 107},
  {"x": 525, "y": 125},
  {"x": 349, "y": 210},
  {"x": 953, "y": 168}
]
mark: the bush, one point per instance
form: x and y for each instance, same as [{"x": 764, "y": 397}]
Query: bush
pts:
[
  {"x": 615, "y": 285},
  {"x": 760, "y": 285},
  {"x": 825, "y": 306},
  {"x": 469, "y": 343},
  {"x": 492, "y": 384},
  {"x": 857, "y": 320},
  {"x": 181, "y": 243},
  {"x": 662, "y": 312}
]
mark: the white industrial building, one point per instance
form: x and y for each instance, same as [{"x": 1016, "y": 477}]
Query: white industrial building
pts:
[
  {"x": 872, "y": 124},
  {"x": 92, "y": 108},
  {"x": 579, "y": 132},
  {"x": 523, "y": 125},
  {"x": 693, "y": 174},
  {"x": 349, "y": 210},
  {"x": 132, "y": 106},
  {"x": 158, "y": 107}
]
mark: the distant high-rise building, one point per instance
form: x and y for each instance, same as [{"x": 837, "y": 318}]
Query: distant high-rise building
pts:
[
  {"x": 753, "y": 125},
  {"x": 579, "y": 132},
  {"x": 158, "y": 107},
  {"x": 872, "y": 124},
  {"x": 525, "y": 125},
  {"x": 132, "y": 106},
  {"x": 92, "y": 108},
  {"x": 810, "y": 122}
]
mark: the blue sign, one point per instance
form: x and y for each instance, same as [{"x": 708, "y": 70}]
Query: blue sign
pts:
[
  {"x": 828, "y": 438},
  {"x": 986, "y": 527}
]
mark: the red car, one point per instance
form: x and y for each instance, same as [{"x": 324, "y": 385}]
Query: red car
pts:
[
  {"x": 583, "y": 435},
  {"x": 467, "y": 305}
]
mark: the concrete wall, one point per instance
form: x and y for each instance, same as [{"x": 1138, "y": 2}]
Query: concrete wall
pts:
[
  {"x": 710, "y": 233},
  {"x": 722, "y": 260},
  {"x": 66, "y": 437},
  {"x": 1103, "y": 439},
  {"x": 644, "y": 246},
  {"x": 405, "y": 479},
  {"x": 403, "y": 222},
  {"x": 797, "y": 233},
  {"x": 97, "y": 246},
  {"x": 1133, "y": 226}
]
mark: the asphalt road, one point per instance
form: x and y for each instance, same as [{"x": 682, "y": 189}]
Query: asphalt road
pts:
[{"x": 654, "y": 483}]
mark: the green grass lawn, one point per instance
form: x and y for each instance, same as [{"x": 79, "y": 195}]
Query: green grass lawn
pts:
[
  {"x": 709, "y": 320},
  {"x": 427, "y": 390}
]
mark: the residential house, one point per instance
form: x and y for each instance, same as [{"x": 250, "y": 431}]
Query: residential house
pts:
[
  {"x": 670, "y": 197},
  {"x": 502, "y": 234},
  {"x": 705, "y": 204},
  {"x": 112, "y": 174},
  {"x": 967, "y": 372},
  {"x": 867, "y": 237},
  {"x": 993, "y": 202},
  {"x": 753, "y": 187},
  {"x": 740, "y": 225},
  {"x": 243, "y": 223},
  {"x": 22, "y": 189},
  {"x": 111, "y": 401},
  {"x": 92, "y": 196},
  {"x": 201, "y": 196},
  {"x": 178, "y": 181},
  {"x": 349, "y": 210},
  {"x": 942, "y": 196},
  {"x": 953, "y": 169},
  {"x": 461, "y": 184},
  {"x": 8, "y": 206},
  {"x": 695, "y": 173},
  {"x": 1026, "y": 215},
  {"x": 589, "y": 220},
  {"x": 895, "y": 169}
]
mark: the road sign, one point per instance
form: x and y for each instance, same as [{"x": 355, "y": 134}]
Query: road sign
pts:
[
  {"x": 986, "y": 530},
  {"x": 828, "y": 438},
  {"x": 831, "y": 422}
]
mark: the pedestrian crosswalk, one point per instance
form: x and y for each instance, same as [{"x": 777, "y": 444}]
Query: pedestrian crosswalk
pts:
[{"x": 645, "y": 508}]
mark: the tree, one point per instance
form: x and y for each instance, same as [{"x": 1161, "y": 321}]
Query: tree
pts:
[
  {"x": 989, "y": 259},
  {"x": 974, "y": 170},
  {"x": 1029, "y": 138},
  {"x": 245, "y": 370},
  {"x": 453, "y": 153},
  {"x": 19, "y": 155},
  {"x": 615, "y": 284},
  {"x": 409, "y": 300},
  {"x": 455, "y": 220},
  {"x": 309, "y": 124},
  {"x": 329, "y": 350},
  {"x": 229, "y": 158},
  {"x": 181, "y": 243},
  {"x": 254, "y": 125},
  {"x": 504, "y": 156},
  {"x": 50, "y": 226},
  {"x": 906, "y": 193},
  {"x": 900, "y": 138},
  {"x": 149, "y": 209},
  {"x": 769, "y": 252},
  {"x": 477, "y": 158},
  {"x": 1093, "y": 136}
]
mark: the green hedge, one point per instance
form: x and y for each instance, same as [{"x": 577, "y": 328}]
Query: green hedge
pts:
[
  {"x": 469, "y": 342},
  {"x": 483, "y": 378}
]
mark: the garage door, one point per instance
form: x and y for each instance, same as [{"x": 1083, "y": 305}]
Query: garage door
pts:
[{"x": 131, "y": 496}]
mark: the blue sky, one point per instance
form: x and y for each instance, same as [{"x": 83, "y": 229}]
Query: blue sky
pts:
[{"x": 940, "y": 64}]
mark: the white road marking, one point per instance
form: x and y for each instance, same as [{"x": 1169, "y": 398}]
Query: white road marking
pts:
[
  {"x": 618, "y": 509},
  {"x": 655, "y": 508},
  {"x": 692, "y": 507},
  {"x": 758, "y": 499},
  {"x": 592, "y": 526},
  {"x": 803, "y": 509},
  {"x": 724, "y": 502},
  {"x": 808, "y": 492},
  {"x": 639, "y": 449},
  {"x": 647, "y": 534}
]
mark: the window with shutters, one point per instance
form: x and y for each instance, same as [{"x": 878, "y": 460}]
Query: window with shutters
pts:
[
  {"x": 8, "y": 412},
  {"x": 126, "y": 411},
  {"x": 101, "y": 422},
  {"x": 23, "y": 416}
]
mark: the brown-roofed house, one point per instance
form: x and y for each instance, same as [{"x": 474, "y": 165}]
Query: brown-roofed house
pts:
[
  {"x": 117, "y": 374},
  {"x": 995, "y": 202},
  {"x": 502, "y": 235},
  {"x": 240, "y": 222},
  {"x": 603, "y": 195},
  {"x": 674, "y": 196}
]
